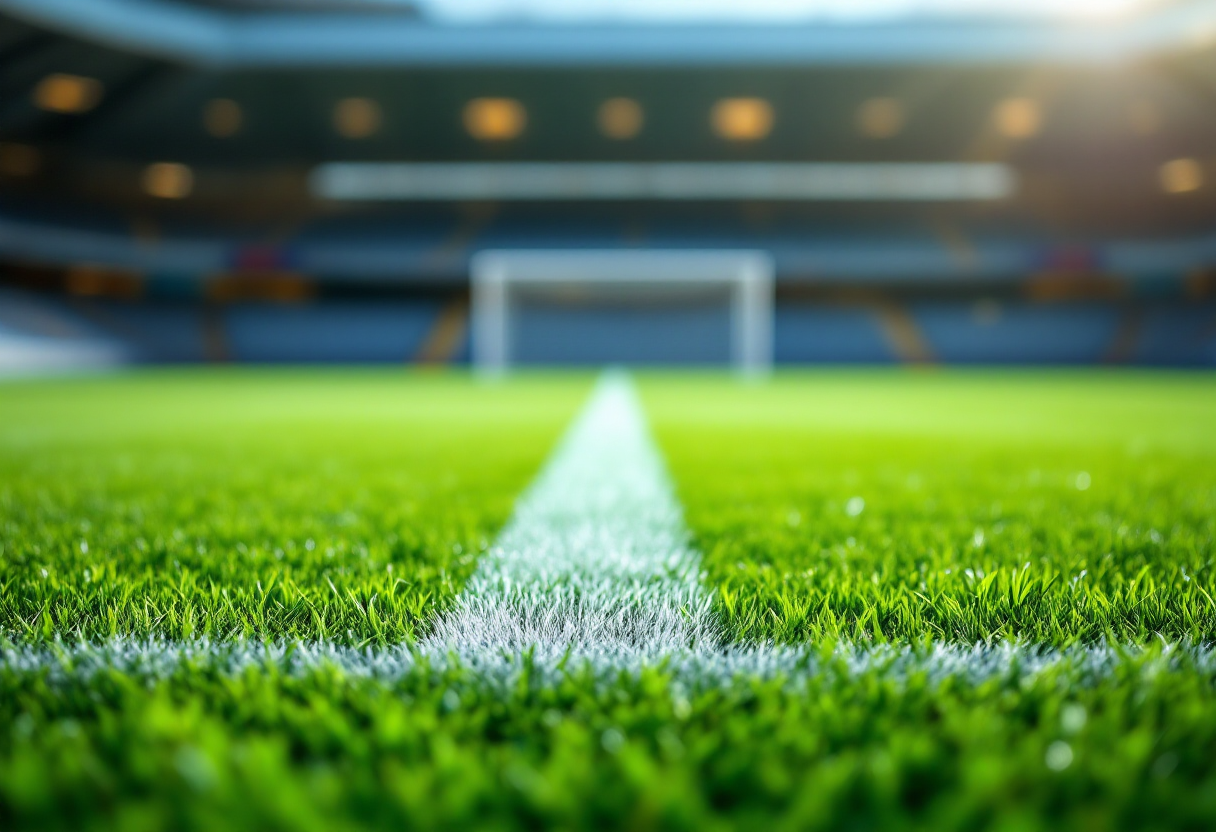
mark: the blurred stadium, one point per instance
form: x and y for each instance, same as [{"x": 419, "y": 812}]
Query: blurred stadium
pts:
[
  {"x": 309, "y": 180},
  {"x": 379, "y": 598}
]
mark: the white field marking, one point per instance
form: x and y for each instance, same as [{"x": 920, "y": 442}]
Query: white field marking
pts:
[
  {"x": 596, "y": 557},
  {"x": 686, "y": 670}
]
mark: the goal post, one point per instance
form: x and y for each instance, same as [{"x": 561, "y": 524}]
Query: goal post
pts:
[{"x": 745, "y": 278}]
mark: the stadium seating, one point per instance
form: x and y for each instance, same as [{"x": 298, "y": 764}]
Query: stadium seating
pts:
[
  {"x": 40, "y": 336},
  {"x": 806, "y": 334},
  {"x": 1017, "y": 333},
  {"x": 1178, "y": 336},
  {"x": 155, "y": 331},
  {"x": 338, "y": 331},
  {"x": 397, "y": 328},
  {"x": 589, "y": 336}
]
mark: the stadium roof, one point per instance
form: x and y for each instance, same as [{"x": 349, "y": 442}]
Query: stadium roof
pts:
[
  {"x": 662, "y": 12},
  {"x": 250, "y": 33}
]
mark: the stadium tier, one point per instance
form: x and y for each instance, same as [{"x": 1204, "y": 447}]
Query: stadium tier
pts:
[{"x": 294, "y": 181}]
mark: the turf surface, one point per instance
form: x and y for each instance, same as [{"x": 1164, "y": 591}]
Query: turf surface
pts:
[
  {"x": 200, "y": 748},
  {"x": 828, "y": 506},
  {"x": 1047, "y": 507},
  {"x": 343, "y": 506}
]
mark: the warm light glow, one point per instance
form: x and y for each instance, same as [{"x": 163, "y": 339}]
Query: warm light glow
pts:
[
  {"x": 86, "y": 280},
  {"x": 1144, "y": 117},
  {"x": 1018, "y": 118},
  {"x": 168, "y": 180},
  {"x": 223, "y": 118},
  {"x": 880, "y": 118},
  {"x": 19, "y": 159},
  {"x": 495, "y": 119},
  {"x": 742, "y": 119},
  {"x": 620, "y": 118},
  {"x": 1181, "y": 176},
  {"x": 357, "y": 118},
  {"x": 62, "y": 93},
  {"x": 94, "y": 281}
]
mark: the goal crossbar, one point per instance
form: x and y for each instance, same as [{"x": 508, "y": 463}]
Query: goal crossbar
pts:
[{"x": 746, "y": 275}]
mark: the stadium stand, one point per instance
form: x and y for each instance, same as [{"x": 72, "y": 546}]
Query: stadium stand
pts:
[
  {"x": 1177, "y": 336},
  {"x": 1018, "y": 333},
  {"x": 163, "y": 169},
  {"x": 156, "y": 331},
  {"x": 339, "y": 331},
  {"x": 560, "y": 335},
  {"x": 37, "y": 336},
  {"x": 807, "y": 334}
]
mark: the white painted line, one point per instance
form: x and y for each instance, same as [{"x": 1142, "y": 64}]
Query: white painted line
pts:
[
  {"x": 597, "y": 555},
  {"x": 687, "y": 669}
]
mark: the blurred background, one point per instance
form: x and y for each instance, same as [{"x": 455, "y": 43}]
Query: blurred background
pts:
[{"x": 988, "y": 181}]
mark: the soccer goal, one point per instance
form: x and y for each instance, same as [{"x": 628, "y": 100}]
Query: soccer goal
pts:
[{"x": 622, "y": 307}]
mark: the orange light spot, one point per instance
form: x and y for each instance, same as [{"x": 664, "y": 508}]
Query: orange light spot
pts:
[
  {"x": 168, "y": 180},
  {"x": 620, "y": 118},
  {"x": 495, "y": 119},
  {"x": 63, "y": 93},
  {"x": 357, "y": 118},
  {"x": 742, "y": 119},
  {"x": 223, "y": 118}
]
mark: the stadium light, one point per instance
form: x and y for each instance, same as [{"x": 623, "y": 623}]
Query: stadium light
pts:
[
  {"x": 742, "y": 119},
  {"x": 19, "y": 159},
  {"x": 495, "y": 119},
  {"x": 1018, "y": 118},
  {"x": 1181, "y": 176},
  {"x": 620, "y": 118},
  {"x": 356, "y": 118},
  {"x": 223, "y": 118},
  {"x": 63, "y": 93},
  {"x": 880, "y": 118},
  {"x": 168, "y": 180}
]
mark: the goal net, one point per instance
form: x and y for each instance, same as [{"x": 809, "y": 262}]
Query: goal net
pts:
[{"x": 622, "y": 307}]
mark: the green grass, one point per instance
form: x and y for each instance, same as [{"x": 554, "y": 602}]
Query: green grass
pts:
[
  {"x": 1047, "y": 507},
  {"x": 340, "y": 505},
  {"x": 264, "y": 750},
  {"x": 270, "y": 505}
]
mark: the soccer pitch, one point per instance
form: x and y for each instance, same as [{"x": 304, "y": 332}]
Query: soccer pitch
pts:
[{"x": 319, "y": 600}]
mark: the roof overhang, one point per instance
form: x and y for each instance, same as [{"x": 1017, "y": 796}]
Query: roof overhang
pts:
[{"x": 210, "y": 36}]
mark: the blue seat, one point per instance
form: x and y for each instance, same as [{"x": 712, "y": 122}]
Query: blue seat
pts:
[
  {"x": 337, "y": 331},
  {"x": 806, "y": 334},
  {"x": 1018, "y": 332}
]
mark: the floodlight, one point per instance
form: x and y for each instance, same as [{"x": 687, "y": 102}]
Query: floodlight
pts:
[
  {"x": 63, "y": 93},
  {"x": 742, "y": 119},
  {"x": 1018, "y": 118},
  {"x": 223, "y": 118},
  {"x": 620, "y": 118},
  {"x": 495, "y": 119},
  {"x": 1181, "y": 176},
  {"x": 168, "y": 180},
  {"x": 880, "y": 118},
  {"x": 357, "y": 118}
]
